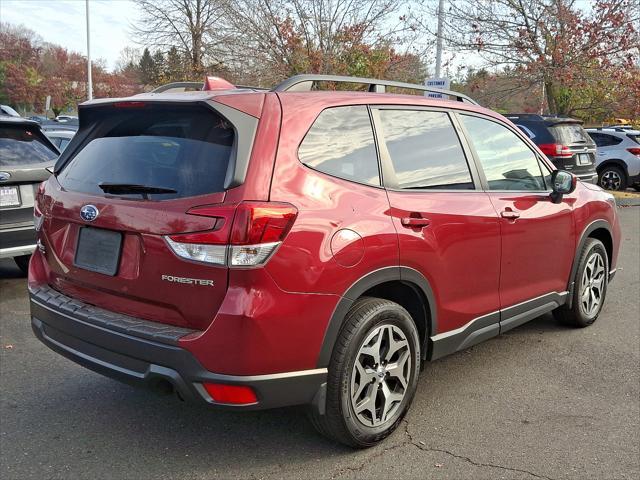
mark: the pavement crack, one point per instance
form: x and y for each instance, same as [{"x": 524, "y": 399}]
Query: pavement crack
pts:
[
  {"x": 358, "y": 468},
  {"x": 424, "y": 448}
]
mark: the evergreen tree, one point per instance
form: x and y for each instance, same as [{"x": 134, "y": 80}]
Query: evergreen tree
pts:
[
  {"x": 174, "y": 66},
  {"x": 147, "y": 68}
]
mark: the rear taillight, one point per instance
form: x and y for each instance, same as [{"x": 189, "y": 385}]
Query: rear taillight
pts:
[
  {"x": 555, "y": 150},
  {"x": 634, "y": 151},
  {"x": 258, "y": 229}
]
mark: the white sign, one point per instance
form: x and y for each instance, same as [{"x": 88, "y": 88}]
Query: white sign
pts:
[
  {"x": 47, "y": 105},
  {"x": 440, "y": 84}
]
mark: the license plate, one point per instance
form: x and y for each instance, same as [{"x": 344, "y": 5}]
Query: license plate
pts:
[
  {"x": 584, "y": 159},
  {"x": 9, "y": 197},
  {"x": 98, "y": 250}
]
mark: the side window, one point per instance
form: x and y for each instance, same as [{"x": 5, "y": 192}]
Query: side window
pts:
[
  {"x": 526, "y": 131},
  {"x": 508, "y": 163},
  {"x": 425, "y": 150},
  {"x": 340, "y": 143}
]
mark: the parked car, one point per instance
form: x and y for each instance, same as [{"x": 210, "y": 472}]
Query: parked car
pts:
[
  {"x": 39, "y": 118},
  {"x": 562, "y": 140},
  {"x": 8, "y": 111},
  {"x": 618, "y": 159},
  {"x": 253, "y": 249},
  {"x": 67, "y": 119},
  {"x": 60, "y": 138},
  {"x": 25, "y": 154}
]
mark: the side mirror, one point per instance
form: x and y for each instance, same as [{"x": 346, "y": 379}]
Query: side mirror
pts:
[{"x": 562, "y": 183}]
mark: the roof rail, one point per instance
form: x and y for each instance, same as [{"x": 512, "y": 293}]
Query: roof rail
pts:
[
  {"x": 304, "y": 83},
  {"x": 169, "y": 86},
  {"x": 198, "y": 86}
]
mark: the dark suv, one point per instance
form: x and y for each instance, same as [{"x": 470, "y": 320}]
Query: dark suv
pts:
[
  {"x": 253, "y": 249},
  {"x": 25, "y": 155},
  {"x": 563, "y": 141}
]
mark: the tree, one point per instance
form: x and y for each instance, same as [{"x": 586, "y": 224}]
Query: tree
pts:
[
  {"x": 31, "y": 69},
  {"x": 272, "y": 39},
  {"x": 147, "y": 68},
  {"x": 549, "y": 42},
  {"x": 187, "y": 25},
  {"x": 174, "y": 67}
]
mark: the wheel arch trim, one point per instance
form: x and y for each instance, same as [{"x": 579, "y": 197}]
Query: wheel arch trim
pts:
[
  {"x": 403, "y": 274},
  {"x": 593, "y": 226}
]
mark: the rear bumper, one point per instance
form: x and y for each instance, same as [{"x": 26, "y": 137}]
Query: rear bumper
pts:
[
  {"x": 147, "y": 354},
  {"x": 15, "y": 242},
  {"x": 588, "y": 177}
]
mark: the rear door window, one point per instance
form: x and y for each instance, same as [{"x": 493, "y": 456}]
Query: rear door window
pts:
[
  {"x": 604, "y": 140},
  {"x": 425, "y": 150},
  {"x": 21, "y": 146},
  {"x": 340, "y": 143},
  {"x": 182, "y": 149}
]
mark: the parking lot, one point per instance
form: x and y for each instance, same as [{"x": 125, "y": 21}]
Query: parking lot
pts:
[{"x": 541, "y": 401}]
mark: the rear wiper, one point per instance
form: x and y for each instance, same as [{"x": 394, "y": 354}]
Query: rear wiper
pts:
[{"x": 133, "y": 188}]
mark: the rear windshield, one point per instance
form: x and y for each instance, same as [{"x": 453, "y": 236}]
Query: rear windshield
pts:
[
  {"x": 185, "y": 149},
  {"x": 20, "y": 146},
  {"x": 568, "y": 133}
]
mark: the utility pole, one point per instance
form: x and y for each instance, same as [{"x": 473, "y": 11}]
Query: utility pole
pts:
[
  {"x": 439, "y": 38},
  {"x": 89, "y": 81}
]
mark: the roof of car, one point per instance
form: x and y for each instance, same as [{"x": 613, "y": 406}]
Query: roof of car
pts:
[
  {"x": 17, "y": 120},
  {"x": 613, "y": 131},
  {"x": 534, "y": 117}
]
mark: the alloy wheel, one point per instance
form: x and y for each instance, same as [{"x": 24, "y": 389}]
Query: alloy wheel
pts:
[
  {"x": 592, "y": 284},
  {"x": 611, "y": 180},
  {"x": 381, "y": 375}
]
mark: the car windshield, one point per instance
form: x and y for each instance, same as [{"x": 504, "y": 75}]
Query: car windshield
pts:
[{"x": 20, "y": 146}]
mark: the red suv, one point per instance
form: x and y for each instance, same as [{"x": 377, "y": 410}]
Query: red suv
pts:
[{"x": 254, "y": 249}]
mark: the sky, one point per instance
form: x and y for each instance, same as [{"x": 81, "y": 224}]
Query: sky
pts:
[{"x": 63, "y": 22}]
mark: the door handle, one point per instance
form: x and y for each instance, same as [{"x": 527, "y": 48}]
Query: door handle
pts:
[
  {"x": 509, "y": 214},
  {"x": 412, "y": 222}
]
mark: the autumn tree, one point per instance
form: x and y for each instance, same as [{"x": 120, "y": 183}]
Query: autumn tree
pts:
[
  {"x": 273, "y": 39},
  {"x": 187, "y": 25},
  {"x": 31, "y": 69},
  {"x": 550, "y": 43}
]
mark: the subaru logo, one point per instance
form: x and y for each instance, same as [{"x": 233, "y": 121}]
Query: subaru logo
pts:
[
  {"x": 89, "y": 213},
  {"x": 4, "y": 176}
]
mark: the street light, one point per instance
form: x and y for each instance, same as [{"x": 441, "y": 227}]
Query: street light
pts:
[
  {"x": 439, "y": 38},
  {"x": 89, "y": 81}
]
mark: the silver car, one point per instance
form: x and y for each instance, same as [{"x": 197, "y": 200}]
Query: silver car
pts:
[
  {"x": 25, "y": 155},
  {"x": 618, "y": 158}
]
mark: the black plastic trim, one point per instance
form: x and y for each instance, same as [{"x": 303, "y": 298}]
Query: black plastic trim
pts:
[
  {"x": 372, "y": 279},
  {"x": 596, "y": 224},
  {"x": 476, "y": 331},
  {"x": 512, "y": 317},
  {"x": 494, "y": 323},
  {"x": 148, "y": 363}
]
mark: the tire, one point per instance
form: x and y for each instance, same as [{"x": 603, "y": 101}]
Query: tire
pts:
[
  {"x": 584, "y": 311},
  {"x": 23, "y": 263},
  {"x": 612, "y": 178},
  {"x": 636, "y": 187},
  {"x": 371, "y": 325}
]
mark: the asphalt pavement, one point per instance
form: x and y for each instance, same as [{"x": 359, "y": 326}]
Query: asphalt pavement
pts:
[{"x": 541, "y": 401}]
